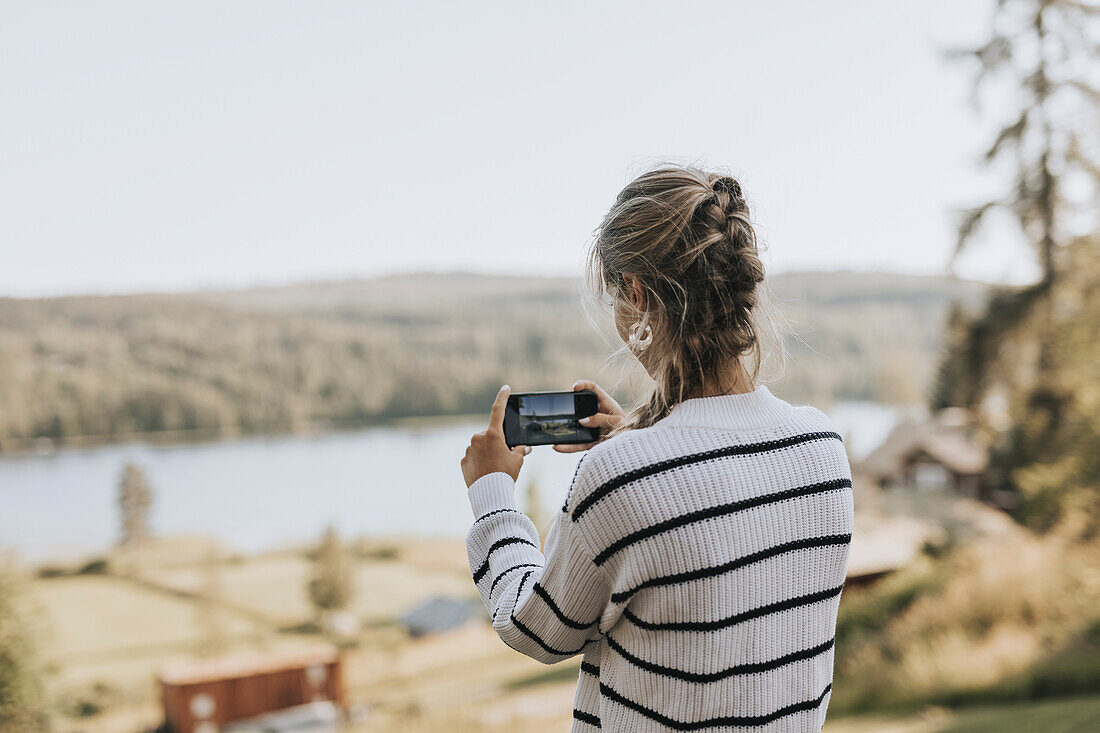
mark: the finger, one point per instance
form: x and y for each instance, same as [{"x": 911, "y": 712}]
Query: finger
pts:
[
  {"x": 522, "y": 450},
  {"x": 589, "y": 384},
  {"x": 496, "y": 414},
  {"x": 606, "y": 401},
  {"x": 572, "y": 447},
  {"x": 600, "y": 420}
]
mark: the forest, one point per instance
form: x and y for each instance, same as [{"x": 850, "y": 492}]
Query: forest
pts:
[{"x": 298, "y": 357}]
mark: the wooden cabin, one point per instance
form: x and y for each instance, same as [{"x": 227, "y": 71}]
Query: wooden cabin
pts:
[
  {"x": 939, "y": 454},
  {"x": 201, "y": 697}
]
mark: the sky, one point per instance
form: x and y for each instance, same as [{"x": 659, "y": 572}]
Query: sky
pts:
[{"x": 175, "y": 146}]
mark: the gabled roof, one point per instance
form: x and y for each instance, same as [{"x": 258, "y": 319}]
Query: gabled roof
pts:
[
  {"x": 235, "y": 667},
  {"x": 955, "y": 451},
  {"x": 944, "y": 438}
]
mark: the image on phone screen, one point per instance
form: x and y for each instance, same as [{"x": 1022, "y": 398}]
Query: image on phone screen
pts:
[{"x": 546, "y": 418}]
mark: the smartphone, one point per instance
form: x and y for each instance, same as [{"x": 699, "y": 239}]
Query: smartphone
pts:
[{"x": 549, "y": 418}]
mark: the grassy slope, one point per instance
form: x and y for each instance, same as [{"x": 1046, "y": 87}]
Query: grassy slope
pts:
[
  {"x": 1070, "y": 715},
  {"x": 997, "y": 620},
  {"x": 1064, "y": 715}
]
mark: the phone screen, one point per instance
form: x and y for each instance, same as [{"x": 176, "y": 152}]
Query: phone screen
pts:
[{"x": 549, "y": 418}]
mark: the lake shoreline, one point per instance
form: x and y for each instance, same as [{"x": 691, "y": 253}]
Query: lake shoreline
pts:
[
  {"x": 45, "y": 446},
  {"x": 41, "y": 447},
  {"x": 263, "y": 492}
]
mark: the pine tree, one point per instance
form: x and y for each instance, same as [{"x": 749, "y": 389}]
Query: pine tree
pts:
[
  {"x": 332, "y": 586},
  {"x": 1043, "y": 48},
  {"x": 135, "y": 500},
  {"x": 1040, "y": 50},
  {"x": 1026, "y": 346}
]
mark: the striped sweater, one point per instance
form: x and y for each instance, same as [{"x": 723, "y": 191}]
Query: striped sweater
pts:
[{"x": 696, "y": 564}]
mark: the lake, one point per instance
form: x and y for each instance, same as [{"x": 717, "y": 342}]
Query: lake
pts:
[{"x": 258, "y": 493}]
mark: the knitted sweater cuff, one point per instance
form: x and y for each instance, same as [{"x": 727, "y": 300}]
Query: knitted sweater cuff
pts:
[{"x": 492, "y": 491}]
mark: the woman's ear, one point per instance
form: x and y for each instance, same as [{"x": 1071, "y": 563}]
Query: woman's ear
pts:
[{"x": 635, "y": 290}]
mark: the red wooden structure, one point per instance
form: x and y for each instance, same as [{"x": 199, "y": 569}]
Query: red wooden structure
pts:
[{"x": 203, "y": 696}]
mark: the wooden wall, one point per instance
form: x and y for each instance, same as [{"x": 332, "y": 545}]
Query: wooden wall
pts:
[{"x": 236, "y": 698}]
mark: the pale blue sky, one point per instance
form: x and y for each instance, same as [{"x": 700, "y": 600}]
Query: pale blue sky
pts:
[{"x": 168, "y": 146}]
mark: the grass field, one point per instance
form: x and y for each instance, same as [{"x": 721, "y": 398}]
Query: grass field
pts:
[{"x": 107, "y": 637}]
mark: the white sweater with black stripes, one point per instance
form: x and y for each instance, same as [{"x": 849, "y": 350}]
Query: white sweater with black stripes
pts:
[{"x": 696, "y": 564}]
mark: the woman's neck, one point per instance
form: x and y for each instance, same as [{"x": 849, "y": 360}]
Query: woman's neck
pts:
[{"x": 735, "y": 381}]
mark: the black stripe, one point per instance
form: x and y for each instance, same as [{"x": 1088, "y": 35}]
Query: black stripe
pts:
[
  {"x": 499, "y": 543},
  {"x": 797, "y": 707},
  {"x": 670, "y": 463},
  {"x": 514, "y": 567},
  {"x": 576, "y": 472},
  {"x": 502, "y": 603},
  {"x": 518, "y": 592},
  {"x": 722, "y": 674},
  {"x": 832, "y": 539},
  {"x": 586, "y": 717},
  {"x": 590, "y": 668},
  {"x": 495, "y": 610},
  {"x": 736, "y": 618},
  {"x": 718, "y": 511},
  {"x": 532, "y": 634},
  {"x": 557, "y": 611},
  {"x": 496, "y": 511},
  {"x": 535, "y": 637}
]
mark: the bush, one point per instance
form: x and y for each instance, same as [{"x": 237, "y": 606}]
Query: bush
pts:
[
  {"x": 99, "y": 566},
  {"x": 52, "y": 571},
  {"x": 366, "y": 549},
  {"x": 89, "y": 700}
]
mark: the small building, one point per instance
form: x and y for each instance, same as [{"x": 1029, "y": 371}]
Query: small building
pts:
[
  {"x": 938, "y": 454},
  {"x": 202, "y": 697}
]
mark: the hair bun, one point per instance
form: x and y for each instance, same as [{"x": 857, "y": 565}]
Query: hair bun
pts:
[{"x": 727, "y": 185}]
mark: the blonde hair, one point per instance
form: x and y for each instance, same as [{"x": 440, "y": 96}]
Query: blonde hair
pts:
[{"x": 687, "y": 235}]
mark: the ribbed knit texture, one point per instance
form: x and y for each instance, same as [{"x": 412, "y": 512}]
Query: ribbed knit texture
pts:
[{"x": 696, "y": 564}]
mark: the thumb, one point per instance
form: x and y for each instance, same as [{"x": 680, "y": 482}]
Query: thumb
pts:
[{"x": 521, "y": 450}]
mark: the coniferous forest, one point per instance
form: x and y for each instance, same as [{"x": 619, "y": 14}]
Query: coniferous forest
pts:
[{"x": 211, "y": 364}]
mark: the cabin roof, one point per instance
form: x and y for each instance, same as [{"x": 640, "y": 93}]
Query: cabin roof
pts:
[
  {"x": 955, "y": 451},
  {"x": 212, "y": 670},
  {"x": 944, "y": 439}
]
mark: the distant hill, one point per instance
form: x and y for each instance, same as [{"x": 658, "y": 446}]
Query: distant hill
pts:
[{"x": 352, "y": 352}]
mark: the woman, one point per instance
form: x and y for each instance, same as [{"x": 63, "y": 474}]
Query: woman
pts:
[{"x": 698, "y": 560}]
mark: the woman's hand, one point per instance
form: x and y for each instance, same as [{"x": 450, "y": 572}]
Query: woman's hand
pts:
[
  {"x": 609, "y": 415},
  {"x": 488, "y": 452}
]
